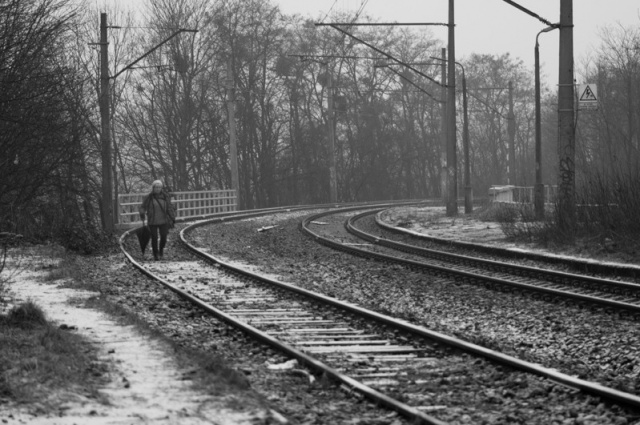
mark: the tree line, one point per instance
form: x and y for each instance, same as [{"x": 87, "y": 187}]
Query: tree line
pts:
[{"x": 170, "y": 113}]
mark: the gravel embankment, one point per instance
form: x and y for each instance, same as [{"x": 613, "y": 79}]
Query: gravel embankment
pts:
[
  {"x": 285, "y": 391},
  {"x": 591, "y": 344}
]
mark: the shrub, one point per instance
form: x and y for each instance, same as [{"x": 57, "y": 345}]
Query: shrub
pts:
[
  {"x": 83, "y": 239},
  {"x": 26, "y": 315},
  {"x": 518, "y": 222},
  {"x": 606, "y": 217},
  {"x": 498, "y": 212}
]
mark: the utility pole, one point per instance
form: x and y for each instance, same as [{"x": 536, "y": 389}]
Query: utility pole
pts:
[
  {"x": 105, "y": 133},
  {"x": 452, "y": 169},
  {"x": 538, "y": 191},
  {"x": 333, "y": 189},
  {"x": 511, "y": 130},
  {"x": 443, "y": 131},
  {"x": 566, "y": 135},
  {"x": 566, "y": 125},
  {"x": 468, "y": 190},
  {"x": 109, "y": 205},
  {"x": 233, "y": 145}
]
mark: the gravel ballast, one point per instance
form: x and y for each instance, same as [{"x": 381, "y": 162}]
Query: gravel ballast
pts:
[{"x": 590, "y": 344}]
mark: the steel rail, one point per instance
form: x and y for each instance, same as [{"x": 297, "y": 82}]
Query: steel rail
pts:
[
  {"x": 309, "y": 361},
  {"x": 273, "y": 210},
  {"x": 551, "y": 273},
  {"x": 349, "y": 383},
  {"x": 528, "y": 269},
  {"x": 587, "y": 266},
  {"x": 474, "y": 276},
  {"x": 551, "y": 374}
]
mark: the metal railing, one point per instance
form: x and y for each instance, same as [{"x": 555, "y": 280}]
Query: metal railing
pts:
[
  {"x": 188, "y": 204},
  {"x": 521, "y": 194}
]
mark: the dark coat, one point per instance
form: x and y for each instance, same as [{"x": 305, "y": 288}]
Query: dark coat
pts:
[{"x": 158, "y": 209}]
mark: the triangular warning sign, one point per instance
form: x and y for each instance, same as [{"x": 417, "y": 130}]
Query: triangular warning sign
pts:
[{"x": 587, "y": 94}]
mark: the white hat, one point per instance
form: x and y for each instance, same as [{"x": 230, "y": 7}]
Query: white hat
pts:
[{"x": 157, "y": 183}]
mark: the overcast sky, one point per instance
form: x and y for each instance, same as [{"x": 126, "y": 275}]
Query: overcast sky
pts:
[
  {"x": 487, "y": 26},
  {"x": 493, "y": 26}
]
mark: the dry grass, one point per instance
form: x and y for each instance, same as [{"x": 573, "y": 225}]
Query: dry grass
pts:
[
  {"x": 38, "y": 360},
  {"x": 40, "y": 363},
  {"x": 605, "y": 222}
]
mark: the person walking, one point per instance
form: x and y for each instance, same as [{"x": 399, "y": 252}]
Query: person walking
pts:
[{"x": 160, "y": 214}]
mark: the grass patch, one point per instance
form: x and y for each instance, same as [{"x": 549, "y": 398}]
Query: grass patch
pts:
[
  {"x": 496, "y": 212},
  {"x": 42, "y": 365},
  {"x": 39, "y": 362},
  {"x": 19, "y": 258},
  {"x": 603, "y": 228},
  {"x": 518, "y": 222},
  {"x": 409, "y": 216},
  {"x": 66, "y": 268}
]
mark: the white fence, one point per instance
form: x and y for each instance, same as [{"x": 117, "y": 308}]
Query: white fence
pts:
[
  {"x": 521, "y": 194},
  {"x": 188, "y": 204}
]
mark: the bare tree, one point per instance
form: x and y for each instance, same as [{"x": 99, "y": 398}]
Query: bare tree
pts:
[
  {"x": 38, "y": 128},
  {"x": 488, "y": 79}
]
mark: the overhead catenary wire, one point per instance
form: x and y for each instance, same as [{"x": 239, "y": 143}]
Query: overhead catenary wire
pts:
[
  {"x": 527, "y": 11},
  {"x": 387, "y": 55},
  {"x": 330, "y": 9}
]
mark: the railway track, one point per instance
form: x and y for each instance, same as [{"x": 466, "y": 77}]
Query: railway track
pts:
[
  {"x": 584, "y": 267},
  {"x": 618, "y": 295},
  {"x": 419, "y": 373}
]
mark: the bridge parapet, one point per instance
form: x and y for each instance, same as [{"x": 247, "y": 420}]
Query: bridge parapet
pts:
[{"x": 189, "y": 204}]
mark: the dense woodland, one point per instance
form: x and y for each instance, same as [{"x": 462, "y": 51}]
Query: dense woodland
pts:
[{"x": 170, "y": 112}]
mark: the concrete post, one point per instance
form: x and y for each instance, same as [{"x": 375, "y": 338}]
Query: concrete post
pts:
[
  {"x": 566, "y": 124},
  {"x": 452, "y": 169},
  {"x": 105, "y": 129}
]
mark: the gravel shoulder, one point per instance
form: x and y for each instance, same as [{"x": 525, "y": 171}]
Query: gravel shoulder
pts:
[{"x": 589, "y": 344}]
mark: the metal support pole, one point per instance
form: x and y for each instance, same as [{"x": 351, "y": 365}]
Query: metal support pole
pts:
[
  {"x": 468, "y": 190},
  {"x": 114, "y": 179},
  {"x": 566, "y": 203},
  {"x": 333, "y": 186},
  {"x": 233, "y": 145},
  {"x": 511, "y": 130},
  {"x": 538, "y": 193},
  {"x": 105, "y": 129},
  {"x": 538, "y": 200},
  {"x": 443, "y": 131},
  {"x": 452, "y": 169},
  {"x": 109, "y": 204}
]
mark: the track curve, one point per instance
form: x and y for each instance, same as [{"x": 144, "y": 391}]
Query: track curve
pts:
[{"x": 352, "y": 309}]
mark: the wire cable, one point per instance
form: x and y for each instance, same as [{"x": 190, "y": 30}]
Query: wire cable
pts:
[{"x": 527, "y": 11}]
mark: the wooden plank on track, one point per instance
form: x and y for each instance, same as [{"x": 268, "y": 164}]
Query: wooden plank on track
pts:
[
  {"x": 289, "y": 322},
  {"x": 316, "y": 331},
  {"x": 351, "y": 342},
  {"x": 354, "y": 337},
  {"x": 363, "y": 349}
]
